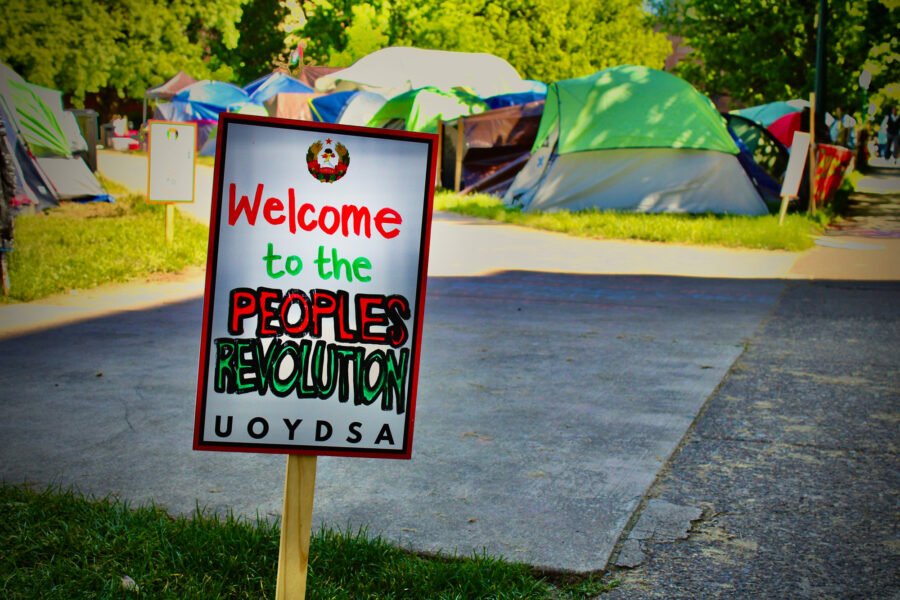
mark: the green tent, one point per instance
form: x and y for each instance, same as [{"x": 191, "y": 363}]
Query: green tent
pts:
[
  {"x": 421, "y": 109},
  {"x": 631, "y": 138},
  {"x": 33, "y": 109},
  {"x": 631, "y": 107}
]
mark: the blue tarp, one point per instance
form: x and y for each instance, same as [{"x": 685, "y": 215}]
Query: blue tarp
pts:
[
  {"x": 172, "y": 111},
  {"x": 274, "y": 83},
  {"x": 514, "y": 99},
  {"x": 327, "y": 109},
  {"x": 209, "y": 98}
]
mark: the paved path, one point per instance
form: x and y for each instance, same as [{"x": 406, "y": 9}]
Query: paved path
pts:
[
  {"x": 558, "y": 376},
  {"x": 787, "y": 486}
]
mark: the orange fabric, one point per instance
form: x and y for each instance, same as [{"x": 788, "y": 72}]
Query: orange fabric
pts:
[{"x": 830, "y": 167}]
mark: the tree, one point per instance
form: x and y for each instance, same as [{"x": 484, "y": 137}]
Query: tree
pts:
[
  {"x": 547, "y": 40},
  {"x": 115, "y": 47},
  {"x": 764, "y": 50},
  {"x": 261, "y": 41}
]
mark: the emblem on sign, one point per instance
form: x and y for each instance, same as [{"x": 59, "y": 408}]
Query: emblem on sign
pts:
[{"x": 327, "y": 161}]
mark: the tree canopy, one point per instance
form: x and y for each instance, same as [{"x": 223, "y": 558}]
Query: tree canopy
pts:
[
  {"x": 123, "y": 46},
  {"x": 546, "y": 40},
  {"x": 764, "y": 50},
  {"x": 119, "y": 48}
]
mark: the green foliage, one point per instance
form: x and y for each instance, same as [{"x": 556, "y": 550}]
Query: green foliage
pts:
[
  {"x": 122, "y": 46},
  {"x": 762, "y": 232},
  {"x": 883, "y": 61},
  {"x": 365, "y": 34},
  {"x": 765, "y": 50},
  {"x": 261, "y": 42},
  {"x": 543, "y": 39},
  {"x": 60, "y": 545}
]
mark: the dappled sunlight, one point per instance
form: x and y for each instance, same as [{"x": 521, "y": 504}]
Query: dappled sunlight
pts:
[{"x": 636, "y": 107}]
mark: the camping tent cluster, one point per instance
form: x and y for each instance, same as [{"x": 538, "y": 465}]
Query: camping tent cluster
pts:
[
  {"x": 393, "y": 87},
  {"x": 45, "y": 141},
  {"x": 626, "y": 138}
]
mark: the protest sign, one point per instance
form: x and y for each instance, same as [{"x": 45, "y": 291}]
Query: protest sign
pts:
[
  {"x": 315, "y": 288},
  {"x": 790, "y": 187},
  {"x": 170, "y": 151}
]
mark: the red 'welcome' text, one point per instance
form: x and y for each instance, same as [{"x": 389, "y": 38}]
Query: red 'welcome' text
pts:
[{"x": 349, "y": 219}]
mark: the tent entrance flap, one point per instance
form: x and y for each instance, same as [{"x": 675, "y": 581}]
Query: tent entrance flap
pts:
[{"x": 527, "y": 182}]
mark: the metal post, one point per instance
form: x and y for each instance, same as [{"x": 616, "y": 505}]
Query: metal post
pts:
[{"x": 821, "y": 76}]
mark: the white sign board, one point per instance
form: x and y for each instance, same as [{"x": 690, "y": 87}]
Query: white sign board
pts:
[
  {"x": 171, "y": 150},
  {"x": 315, "y": 288},
  {"x": 794, "y": 172}
]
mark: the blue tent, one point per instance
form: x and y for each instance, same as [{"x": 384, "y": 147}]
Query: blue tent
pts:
[
  {"x": 172, "y": 111},
  {"x": 274, "y": 83},
  {"x": 514, "y": 99},
  {"x": 328, "y": 108},
  {"x": 208, "y": 98}
]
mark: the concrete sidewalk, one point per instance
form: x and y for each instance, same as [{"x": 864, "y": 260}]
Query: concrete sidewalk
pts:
[{"x": 787, "y": 486}]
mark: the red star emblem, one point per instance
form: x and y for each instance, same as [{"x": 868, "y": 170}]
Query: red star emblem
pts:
[{"x": 327, "y": 140}]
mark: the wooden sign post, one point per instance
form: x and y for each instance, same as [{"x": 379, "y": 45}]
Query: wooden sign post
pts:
[
  {"x": 315, "y": 291},
  {"x": 296, "y": 527},
  {"x": 790, "y": 188},
  {"x": 170, "y": 166}
]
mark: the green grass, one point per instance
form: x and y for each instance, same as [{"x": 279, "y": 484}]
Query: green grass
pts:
[
  {"x": 80, "y": 246},
  {"x": 714, "y": 230},
  {"x": 59, "y": 545}
]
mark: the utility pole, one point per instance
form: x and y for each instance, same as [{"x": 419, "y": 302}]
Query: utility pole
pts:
[{"x": 821, "y": 44}]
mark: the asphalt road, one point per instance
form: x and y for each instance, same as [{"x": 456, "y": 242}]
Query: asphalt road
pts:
[{"x": 547, "y": 404}]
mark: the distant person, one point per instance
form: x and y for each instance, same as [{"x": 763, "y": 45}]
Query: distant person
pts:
[
  {"x": 842, "y": 129},
  {"x": 892, "y": 126},
  {"x": 838, "y": 131},
  {"x": 881, "y": 140}
]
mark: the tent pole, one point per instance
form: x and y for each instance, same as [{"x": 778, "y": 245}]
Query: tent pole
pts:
[
  {"x": 460, "y": 141},
  {"x": 440, "y": 149}
]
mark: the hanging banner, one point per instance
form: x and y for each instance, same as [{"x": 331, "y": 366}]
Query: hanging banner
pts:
[
  {"x": 315, "y": 288},
  {"x": 170, "y": 161}
]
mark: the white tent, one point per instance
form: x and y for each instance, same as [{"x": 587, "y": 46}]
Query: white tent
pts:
[{"x": 398, "y": 69}]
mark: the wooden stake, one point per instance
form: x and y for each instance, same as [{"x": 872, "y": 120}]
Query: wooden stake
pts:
[
  {"x": 460, "y": 142},
  {"x": 170, "y": 223},
  {"x": 783, "y": 211},
  {"x": 812, "y": 154},
  {"x": 296, "y": 526}
]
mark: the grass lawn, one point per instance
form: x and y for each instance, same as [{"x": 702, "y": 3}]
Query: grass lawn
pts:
[
  {"x": 80, "y": 246},
  {"x": 761, "y": 232},
  {"x": 58, "y": 545}
]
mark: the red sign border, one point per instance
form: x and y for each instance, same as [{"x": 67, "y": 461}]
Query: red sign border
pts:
[{"x": 225, "y": 119}]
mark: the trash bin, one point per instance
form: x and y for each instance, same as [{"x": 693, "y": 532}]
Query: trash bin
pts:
[{"x": 87, "y": 123}]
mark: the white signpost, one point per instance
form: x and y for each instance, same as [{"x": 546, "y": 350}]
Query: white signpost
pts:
[
  {"x": 170, "y": 162},
  {"x": 314, "y": 299},
  {"x": 790, "y": 187}
]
